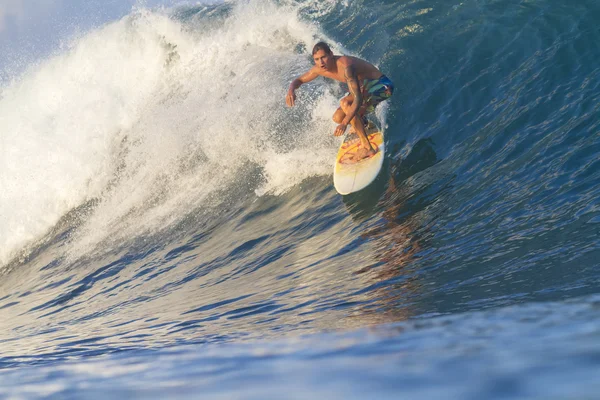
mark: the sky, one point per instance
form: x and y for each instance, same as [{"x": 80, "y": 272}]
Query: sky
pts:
[{"x": 31, "y": 29}]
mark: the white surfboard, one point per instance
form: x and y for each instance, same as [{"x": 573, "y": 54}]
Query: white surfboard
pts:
[{"x": 349, "y": 175}]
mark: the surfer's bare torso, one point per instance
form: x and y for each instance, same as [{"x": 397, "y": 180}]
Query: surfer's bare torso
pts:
[{"x": 363, "y": 69}]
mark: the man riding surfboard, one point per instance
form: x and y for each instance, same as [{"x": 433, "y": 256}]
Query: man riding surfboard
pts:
[{"x": 367, "y": 86}]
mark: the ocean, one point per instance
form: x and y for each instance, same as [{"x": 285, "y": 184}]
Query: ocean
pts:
[{"x": 169, "y": 228}]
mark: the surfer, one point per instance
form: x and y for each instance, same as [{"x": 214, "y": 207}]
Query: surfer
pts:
[{"x": 366, "y": 84}]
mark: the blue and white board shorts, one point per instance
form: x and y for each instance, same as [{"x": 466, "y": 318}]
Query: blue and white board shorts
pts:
[{"x": 375, "y": 91}]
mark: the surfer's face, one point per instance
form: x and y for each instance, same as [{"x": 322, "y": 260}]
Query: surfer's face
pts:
[{"x": 322, "y": 59}]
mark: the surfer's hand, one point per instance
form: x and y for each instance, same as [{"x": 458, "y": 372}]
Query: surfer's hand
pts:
[
  {"x": 340, "y": 130},
  {"x": 290, "y": 98}
]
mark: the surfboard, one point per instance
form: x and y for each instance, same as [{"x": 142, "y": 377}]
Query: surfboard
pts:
[{"x": 349, "y": 175}]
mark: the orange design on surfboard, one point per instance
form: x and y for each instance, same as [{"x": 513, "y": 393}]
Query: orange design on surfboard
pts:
[{"x": 350, "y": 148}]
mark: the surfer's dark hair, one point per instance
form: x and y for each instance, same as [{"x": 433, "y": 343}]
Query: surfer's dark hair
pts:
[{"x": 322, "y": 46}]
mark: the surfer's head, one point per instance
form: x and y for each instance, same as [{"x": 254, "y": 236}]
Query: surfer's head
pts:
[{"x": 322, "y": 55}]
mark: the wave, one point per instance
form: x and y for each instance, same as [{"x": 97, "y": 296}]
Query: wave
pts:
[{"x": 146, "y": 118}]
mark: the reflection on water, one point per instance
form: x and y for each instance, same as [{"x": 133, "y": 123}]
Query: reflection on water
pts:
[{"x": 400, "y": 235}]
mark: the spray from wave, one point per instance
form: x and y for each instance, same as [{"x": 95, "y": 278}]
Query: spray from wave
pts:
[{"x": 154, "y": 115}]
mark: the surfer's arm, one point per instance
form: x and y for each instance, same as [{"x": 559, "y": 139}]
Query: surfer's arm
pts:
[
  {"x": 354, "y": 88},
  {"x": 290, "y": 99}
]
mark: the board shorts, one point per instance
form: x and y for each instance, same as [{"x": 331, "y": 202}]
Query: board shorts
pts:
[{"x": 375, "y": 91}]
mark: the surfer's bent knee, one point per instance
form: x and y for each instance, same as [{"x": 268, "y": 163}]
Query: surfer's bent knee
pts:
[
  {"x": 338, "y": 116},
  {"x": 345, "y": 103}
]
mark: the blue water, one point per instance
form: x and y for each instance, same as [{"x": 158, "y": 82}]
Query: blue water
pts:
[{"x": 170, "y": 228}]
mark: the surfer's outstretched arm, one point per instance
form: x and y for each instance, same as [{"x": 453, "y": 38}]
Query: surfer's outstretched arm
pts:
[{"x": 290, "y": 99}]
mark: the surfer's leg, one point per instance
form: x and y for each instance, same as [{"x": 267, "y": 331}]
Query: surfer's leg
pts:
[
  {"x": 357, "y": 124},
  {"x": 339, "y": 115},
  {"x": 367, "y": 150}
]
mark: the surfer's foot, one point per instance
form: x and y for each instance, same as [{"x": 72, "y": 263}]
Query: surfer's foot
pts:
[{"x": 363, "y": 153}]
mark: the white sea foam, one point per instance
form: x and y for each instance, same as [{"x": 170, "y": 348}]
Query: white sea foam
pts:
[{"x": 150, "y": 115}]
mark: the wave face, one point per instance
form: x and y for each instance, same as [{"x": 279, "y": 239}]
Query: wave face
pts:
[{"x": 155, "y": 191}]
